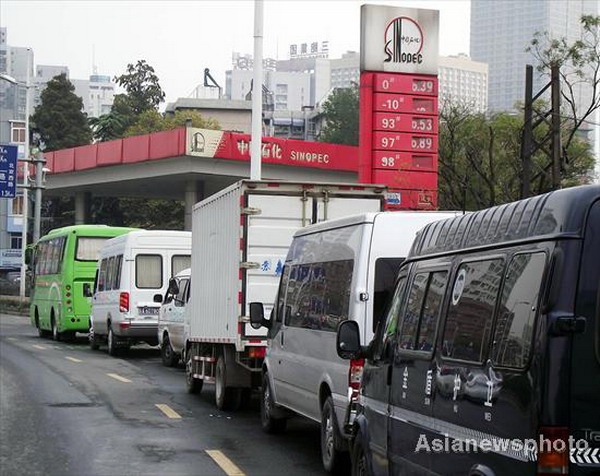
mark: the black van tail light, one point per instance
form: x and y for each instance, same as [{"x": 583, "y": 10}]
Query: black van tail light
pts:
[
  {"x": 355, "y": 378},
  {"x": 124, "y": 302},
  {"x": 553, "y": 453}
]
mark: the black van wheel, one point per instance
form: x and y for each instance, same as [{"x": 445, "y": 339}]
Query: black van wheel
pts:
[
  {"x": 193, "y": 385},
  {"x": 360, "y": 462},
  {"x": 168, "y": 355},
  {"x": 269, "y": 423},
  {"x": 226, "y": 398},
  {"x": 333, "y": 458}
]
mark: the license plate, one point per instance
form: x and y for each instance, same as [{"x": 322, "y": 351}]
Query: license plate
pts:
[{"x": 148, "y": 311}]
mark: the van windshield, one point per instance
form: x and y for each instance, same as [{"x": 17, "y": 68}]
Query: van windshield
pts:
[
  {"x": 386, "y": 270},
  {"x": 89, "y": 247}
]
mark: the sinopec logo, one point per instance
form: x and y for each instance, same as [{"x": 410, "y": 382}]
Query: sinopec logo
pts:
[{"x": 403, "y": 41}]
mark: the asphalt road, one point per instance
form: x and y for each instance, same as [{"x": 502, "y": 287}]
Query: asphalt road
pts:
[{"x": 68, "y": 410}]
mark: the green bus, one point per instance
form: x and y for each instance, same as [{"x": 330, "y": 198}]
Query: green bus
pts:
[{"x": 64, "y": 266}]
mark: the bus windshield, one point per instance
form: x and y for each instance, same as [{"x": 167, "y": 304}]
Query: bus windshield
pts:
[{"x": 88, "y": 248}]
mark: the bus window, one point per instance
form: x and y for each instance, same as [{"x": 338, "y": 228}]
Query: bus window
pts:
[{"x": 88, "y": 247}]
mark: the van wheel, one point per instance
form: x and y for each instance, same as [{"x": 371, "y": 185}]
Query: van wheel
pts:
[
  {"x": 169, "y": 357},
  {"x": 333, "y": 458},
  {"x": 111, "y": 342},
  {"x": 269, "y": 423},
  {"x": 226, "y": 398},
  {"x": 57, "y": 336},
  {"x": 360, "y": 462},
  {"x": 94, "y": 344},
  {"x": 193, "y": 385}
]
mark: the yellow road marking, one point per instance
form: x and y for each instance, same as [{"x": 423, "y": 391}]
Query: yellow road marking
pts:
[
  {"x": 119, "y": 378},
  {"x": 225, "y": 463},
  {"x": 41, "y": 347},
  {"x": 73, "y": 359},
  {"x": 167, "y": 410}
]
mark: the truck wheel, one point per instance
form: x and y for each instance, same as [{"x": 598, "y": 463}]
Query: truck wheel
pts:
[
  {"x": 112, "y": 342},
  {"x": 168, "y": 355},
  {"x": 268, "y": 422},
  {"x": 226, "y": 398},
  {"x": 333, "y": 458},
  {"x": 193, "y": 385}
]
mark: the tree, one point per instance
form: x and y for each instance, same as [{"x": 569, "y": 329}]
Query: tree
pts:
[
  {"x": 113, "y": 125},
  {"x": 579, "y": 64},
  {"x": 479, "y": 163},
  {"x": 341, "y": 114},
  {"x": 153, "y": 121},
  {"x": 143, "y": 92},
  {"x": 59, "y": 118}
]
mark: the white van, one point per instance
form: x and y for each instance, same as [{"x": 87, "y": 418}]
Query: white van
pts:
[
  {"x": 336, "y": 270},
  {"x": 171, "y": 318},
  {"x": 132, "y": 277}
]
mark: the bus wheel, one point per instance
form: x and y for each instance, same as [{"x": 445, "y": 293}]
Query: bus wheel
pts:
[
  {"x": 57, "y": 336},
  {"x": 41, "y": 332}
]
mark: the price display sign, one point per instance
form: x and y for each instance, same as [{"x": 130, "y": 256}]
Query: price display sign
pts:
[
  {"x": 404, "y": 161},
  {"x": 404, "y": 142},
  {"x": 385, "y": 121},
  {"x": 404, "y": 103},
  {"x": 406, "y": 84}
]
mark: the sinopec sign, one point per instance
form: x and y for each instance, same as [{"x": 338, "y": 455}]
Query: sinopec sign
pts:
[{"x": 399, "y": 104}]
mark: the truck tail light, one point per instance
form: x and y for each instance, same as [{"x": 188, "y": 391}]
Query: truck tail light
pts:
[
  {"x": 355, "y": 378},
  {"x": 553, "y": 454},
  {"x": 124, "y": 302},
  {"x": 257, "y": 352}
]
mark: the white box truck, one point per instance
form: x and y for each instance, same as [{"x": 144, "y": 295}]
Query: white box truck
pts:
[{"x": 240, "y": 239}]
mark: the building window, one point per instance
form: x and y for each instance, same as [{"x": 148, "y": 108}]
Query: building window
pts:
[
  {"x": 17, "y": 132},
  {"x": 15, "y": 242},
  {"x": 17, "y": 205}
]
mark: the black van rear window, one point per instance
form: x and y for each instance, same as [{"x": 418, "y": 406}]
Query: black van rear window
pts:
[{"x": 472, "y": 302}]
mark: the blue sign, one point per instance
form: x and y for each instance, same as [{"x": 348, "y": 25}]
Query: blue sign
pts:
[{"x": 8, "y": 171}]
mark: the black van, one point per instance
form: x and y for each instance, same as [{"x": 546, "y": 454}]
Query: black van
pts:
[{"x": 488, "y": 361}]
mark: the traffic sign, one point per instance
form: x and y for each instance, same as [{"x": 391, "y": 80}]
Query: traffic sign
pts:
[{"x": 8, "y": 171}]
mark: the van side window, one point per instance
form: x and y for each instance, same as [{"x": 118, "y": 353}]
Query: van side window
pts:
[
  {"x": 110, "y": 270},
  {"x": 518, "y": 307},
  {"x": 116, "y": 284},
  {"x": 180, "y": 298},
  {"x": 319, "y": 295},
  {"x": 283, "y": 285},
  {"x": 390, "y": 324},
  {"x": 179, "y": 263},
  {"x": 386, "y": 270},
  {"x": 148, "y": 271},
  {"x": 102, "y": 275},
  {"x": 470, "y": 312},
  {"x": 423, "y": 310}
]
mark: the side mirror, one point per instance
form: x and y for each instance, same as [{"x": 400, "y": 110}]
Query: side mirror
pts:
[
  {"x": 87, "y": 290},
  {"x": 158, "y": 298},
  {"x": 257, "y": 316},
  {"x": 348, "y": 341},
  {"x": 173, "y": 287}
]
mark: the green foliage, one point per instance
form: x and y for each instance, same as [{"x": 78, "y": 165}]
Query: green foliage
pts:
[
  {"x": 138, "y": 212},
  {"x": 153, "y": 121},
  {"x": 112, "y": 125},
  {"x": 341, "y": 113},
  {"x": 579, "y": 64},
  {"x": 59, "y": 117},
  {"x": 479, "y": 160},
  {"x": 143, "y": 91}
]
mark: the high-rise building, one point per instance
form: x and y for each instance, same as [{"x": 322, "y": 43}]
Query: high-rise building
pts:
[
  {"x": 97, "y": 93},
  {"x": 502, "y": 31},
  {"x": 463, "y": 81}
]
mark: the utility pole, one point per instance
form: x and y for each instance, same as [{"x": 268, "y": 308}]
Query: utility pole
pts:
[
  {"x": 39, "y": 185},
  {"x": 550, "y": 144},
  {"x": 256, "y": 140}
]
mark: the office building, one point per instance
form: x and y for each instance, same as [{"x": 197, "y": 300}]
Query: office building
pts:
[{"x": 463, "y": 82}]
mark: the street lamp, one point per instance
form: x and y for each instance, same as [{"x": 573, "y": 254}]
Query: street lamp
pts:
[{"x": 25, "y": 185}]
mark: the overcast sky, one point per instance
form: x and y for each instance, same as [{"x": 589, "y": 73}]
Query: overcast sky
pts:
[{"x": 181, "y": 38}]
